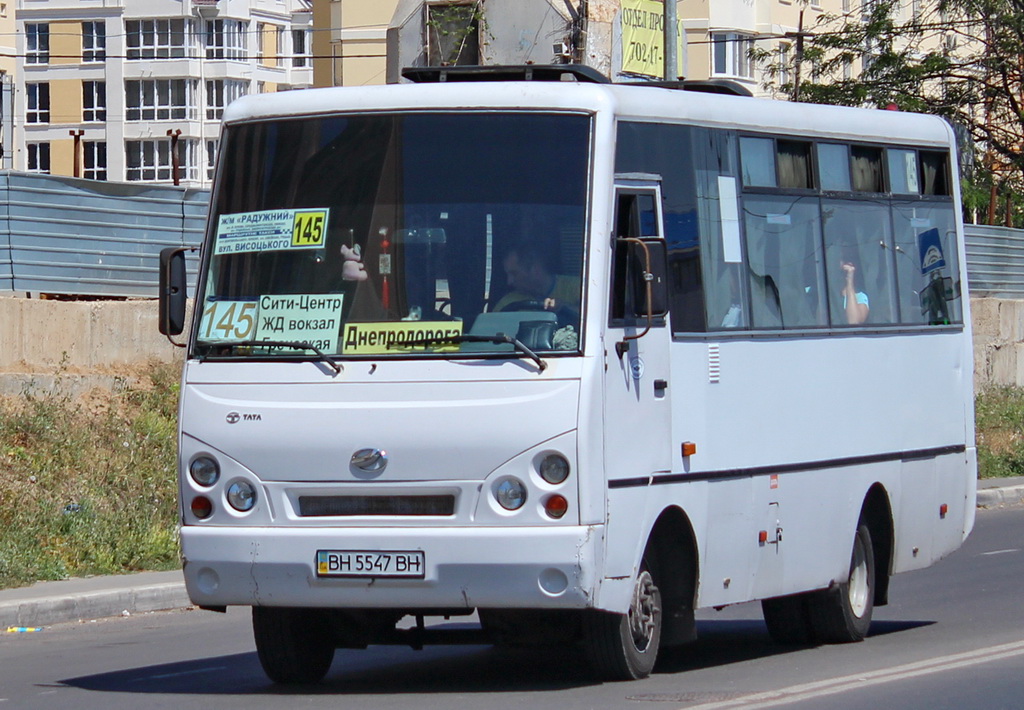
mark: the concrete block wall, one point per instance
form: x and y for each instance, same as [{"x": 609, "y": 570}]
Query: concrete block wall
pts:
[
  {"x": 104, "y": 338},
  {"x": 998, "y": 341},
  {"x": 41, "y": 336}
]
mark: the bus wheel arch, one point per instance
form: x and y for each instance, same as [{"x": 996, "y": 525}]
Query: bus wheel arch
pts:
[
  {"x": 672, "y": 546},
  {"x": 876, "y": 513}
]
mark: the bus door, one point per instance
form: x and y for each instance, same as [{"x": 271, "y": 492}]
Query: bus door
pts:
[{"x": 638, "y": 415}]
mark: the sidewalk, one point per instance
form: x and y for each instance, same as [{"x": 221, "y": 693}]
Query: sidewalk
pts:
[{"x": 97, "y": 597}]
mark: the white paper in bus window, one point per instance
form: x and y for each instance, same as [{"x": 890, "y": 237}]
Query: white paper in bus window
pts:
[
  {"x": 728, "y": 209},
  {"x": 910, "y": 164}
]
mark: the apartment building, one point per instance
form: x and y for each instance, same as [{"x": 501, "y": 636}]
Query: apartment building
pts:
[{"x": 133, "y": 90}]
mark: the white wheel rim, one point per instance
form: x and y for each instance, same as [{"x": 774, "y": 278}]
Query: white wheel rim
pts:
[
  {"x": 858, "y": 585},
  {"x": 642, "y": 611}
]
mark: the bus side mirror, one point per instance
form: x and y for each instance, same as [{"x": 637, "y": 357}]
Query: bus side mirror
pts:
[{"x": 172, "y": 290}]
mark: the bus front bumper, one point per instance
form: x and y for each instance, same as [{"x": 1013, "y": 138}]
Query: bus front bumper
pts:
[{"x": 462, "y": 568}]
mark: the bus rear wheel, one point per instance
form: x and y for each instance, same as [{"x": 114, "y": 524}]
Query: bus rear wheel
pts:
[
  {"x": 843, "y": 614},
  {"x": 294, "y": 645},
  {"x": 625, "y": 646}
]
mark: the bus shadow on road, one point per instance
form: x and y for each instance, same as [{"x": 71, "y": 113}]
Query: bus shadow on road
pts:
[
  {"x": 721, "y": 643},
  {"x": 446, "y": 669}
]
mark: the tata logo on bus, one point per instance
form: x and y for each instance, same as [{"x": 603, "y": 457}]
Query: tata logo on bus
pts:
[
  {"x": 930, "y": 247},
  {"x": 235, "y": 417}
]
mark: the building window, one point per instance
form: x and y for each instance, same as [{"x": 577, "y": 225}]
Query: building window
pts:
[
  {"x": 211, "y": 158},
  {"x": 38, "y": 103},
  {"x": 38, "y": 157},
  {"x": 151, "y": 160},
  {"x": 160, "y": 99},
  {"x": 37, "y": 43},
  {"x": 299, "y": 51},
  {"x": 453, "y": 35},
  {"x": 732, "y": 54},
  {"x": 158, "y": 39},
  {"x": 95, "y": 160},
  {"x": 94, "y": 41},
  {"x": 225, "y": 39},
  {"x": 94, "y": 101},
  {"x": 220, "y": 93},
  {"x": 279, "y": 57},
  {"x": 261, "y": 28}
]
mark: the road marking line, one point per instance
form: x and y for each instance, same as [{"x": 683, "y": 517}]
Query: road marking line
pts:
[
  {"x": 832, "y": 686},
  {"x": 999, "y": 552}
]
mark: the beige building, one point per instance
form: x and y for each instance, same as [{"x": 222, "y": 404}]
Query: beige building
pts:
[{"x": 350, "y": 41}]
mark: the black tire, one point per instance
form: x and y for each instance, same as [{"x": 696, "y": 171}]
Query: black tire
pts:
[
  {"x": 843, "y": 614},
  {"x": 787, "y": 619},
  {"x": 625, "y": 646},
  {"x": 294, "y": 645}
]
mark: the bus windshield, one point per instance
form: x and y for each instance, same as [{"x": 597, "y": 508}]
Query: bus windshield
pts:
[{"x": 390, "y": 234}]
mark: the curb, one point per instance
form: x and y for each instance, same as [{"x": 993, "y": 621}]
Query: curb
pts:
[
  {"x": 33, "y": 613},
  {"x": 1000, "y": 497}
]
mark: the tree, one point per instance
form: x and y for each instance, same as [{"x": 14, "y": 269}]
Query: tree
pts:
[{"x": 961, "y": 59}]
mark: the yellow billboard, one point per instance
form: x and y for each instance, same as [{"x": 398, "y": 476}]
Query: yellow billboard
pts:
[{"x": 643, "y": 39}]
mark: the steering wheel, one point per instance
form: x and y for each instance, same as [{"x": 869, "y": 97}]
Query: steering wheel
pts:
[{"x": 565, "y": 315}]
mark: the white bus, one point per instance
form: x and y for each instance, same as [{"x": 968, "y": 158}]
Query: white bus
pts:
[{"x": 574, "y": 356}]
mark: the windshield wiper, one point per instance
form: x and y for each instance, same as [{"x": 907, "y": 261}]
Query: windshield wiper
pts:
[
  {"x": 497, "y": 339},
  {"x": 293, "y": 344}
]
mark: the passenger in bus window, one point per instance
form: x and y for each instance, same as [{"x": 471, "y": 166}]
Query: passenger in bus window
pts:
[{"x": 855, "y": 301}]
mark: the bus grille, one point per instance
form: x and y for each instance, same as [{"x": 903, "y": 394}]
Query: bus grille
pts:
[{"x": 321, "y": 506}]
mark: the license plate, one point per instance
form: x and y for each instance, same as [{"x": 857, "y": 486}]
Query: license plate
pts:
[{"x": 371, "y": 563}]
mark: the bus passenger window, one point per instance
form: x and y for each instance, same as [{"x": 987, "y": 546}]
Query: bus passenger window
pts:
[
  {"x": 795, "y": 164},
  {"x": 858, "y": 254},
  {"x": 866, "y": 168},
  {"x": 786, "y": 278},
  {"x": 758, "y": 158},
  {"x": 903, "y": 178},
  {"x": 934, "y": 173},
  {"x": 834, "y": 166}
]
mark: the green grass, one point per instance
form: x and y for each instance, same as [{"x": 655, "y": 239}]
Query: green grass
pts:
[
  {"x": 999, "y": 419},
  {"x": 87, "y": 484}
]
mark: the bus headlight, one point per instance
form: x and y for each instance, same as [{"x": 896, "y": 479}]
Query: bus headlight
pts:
[
  {"x": 510, "y": 494},
  {"x": 204, "y": 470},
  {"x": 554, "y": 468},
  {"x": 241, "y": 496}
]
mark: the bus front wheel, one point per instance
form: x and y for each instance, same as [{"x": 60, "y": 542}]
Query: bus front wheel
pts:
[
  {"x": 625, "y": 646},
  {"x": 294, "y": 645}
]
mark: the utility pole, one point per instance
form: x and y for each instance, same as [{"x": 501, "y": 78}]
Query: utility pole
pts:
[
  {"x": 671, "y": 37},
  {"x": 76, "y": 163},
  {"x": 799, "y": 58},
  {"x": 175, "y": 163}
]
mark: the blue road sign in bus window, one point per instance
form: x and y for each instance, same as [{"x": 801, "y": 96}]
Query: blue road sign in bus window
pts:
[{"x": 930, "y": 247}]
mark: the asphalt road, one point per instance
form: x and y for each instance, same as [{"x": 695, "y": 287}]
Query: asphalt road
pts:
[{"x": 951, "y": 638}]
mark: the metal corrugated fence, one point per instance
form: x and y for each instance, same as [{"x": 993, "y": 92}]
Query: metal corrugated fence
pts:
[
  {"x": 995, "y": 261},
  {"x": 88, "y": 238}
]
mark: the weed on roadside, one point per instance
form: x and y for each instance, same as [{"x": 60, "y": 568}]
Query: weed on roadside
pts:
[{"x": 87, "y": 484}]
